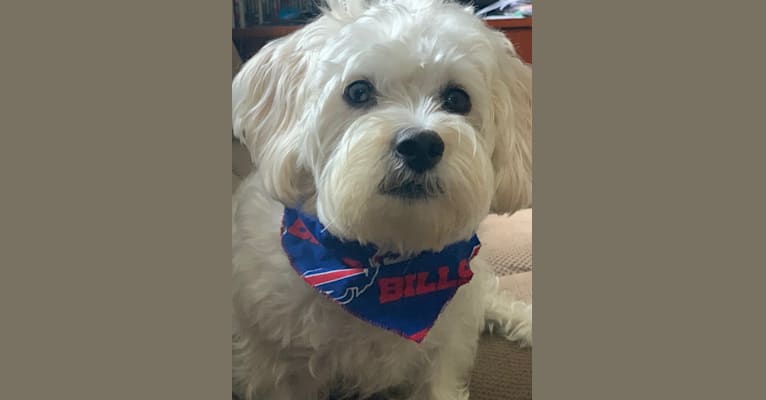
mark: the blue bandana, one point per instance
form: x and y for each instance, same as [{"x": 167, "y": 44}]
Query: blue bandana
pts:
[{"x": 404, "y": 296}]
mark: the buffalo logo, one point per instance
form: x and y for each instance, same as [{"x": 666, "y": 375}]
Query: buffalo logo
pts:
[{"x": 343, "y": 285}]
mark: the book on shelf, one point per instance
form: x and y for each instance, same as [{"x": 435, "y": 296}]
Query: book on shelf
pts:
[{"x": 247, "y": 13}]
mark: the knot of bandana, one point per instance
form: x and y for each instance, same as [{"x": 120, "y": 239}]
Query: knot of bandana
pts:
[{"x": 401, "y": 295}]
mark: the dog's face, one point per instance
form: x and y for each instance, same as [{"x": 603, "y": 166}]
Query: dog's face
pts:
[{"x": 401, "y": 123}]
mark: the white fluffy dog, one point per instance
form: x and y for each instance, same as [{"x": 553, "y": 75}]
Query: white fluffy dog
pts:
[{"x": 400, "y": 124}]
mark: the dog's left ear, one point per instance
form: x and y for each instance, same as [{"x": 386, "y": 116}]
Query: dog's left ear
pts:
[
  {"x": 267, "y": 100},
  {"x": 512, "y": 116}
]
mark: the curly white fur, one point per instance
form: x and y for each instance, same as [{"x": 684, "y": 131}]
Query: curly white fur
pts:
[{"x": 311, "y": 149}]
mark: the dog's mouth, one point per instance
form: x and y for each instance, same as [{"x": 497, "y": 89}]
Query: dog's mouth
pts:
[{"x": 414, "y": 188}]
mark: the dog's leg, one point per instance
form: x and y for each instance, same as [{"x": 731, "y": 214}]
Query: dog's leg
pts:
[
  {"x": 443, "y": 388},
  {"x": 449, "y": 390},
  {"x": 449, "y": 382},
  {"x": 508, "y": 317},
  {"x": 259, "y": 373},
  {"x": 451, "y": 364},
  {"x": 289, "y": 388},
  {"x": 298, "y": 387}
]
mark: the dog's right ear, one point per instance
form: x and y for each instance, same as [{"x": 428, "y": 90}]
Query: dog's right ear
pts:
[
  {"x": 512, "y": 110},
  {"x": 267, "y": 97}
]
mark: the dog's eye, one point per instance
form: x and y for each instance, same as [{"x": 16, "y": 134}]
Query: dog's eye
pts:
[
  {"x": 359, "y": 94},
  {"x": 456, "y": 101}
]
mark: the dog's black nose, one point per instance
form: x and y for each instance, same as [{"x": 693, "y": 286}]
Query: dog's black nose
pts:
[{"x": 420, "y": 150}]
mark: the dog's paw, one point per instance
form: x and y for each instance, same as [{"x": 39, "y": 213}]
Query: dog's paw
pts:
[
  {"x": 510, "y": 318},
  {"x": 463, "y": 394},
  {"x": 521, "y": 331}
]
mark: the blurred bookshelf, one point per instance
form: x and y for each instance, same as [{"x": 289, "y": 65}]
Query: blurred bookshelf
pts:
[
  {"x": 256, "y": 22},
  {"x": 251, "y": 13}
]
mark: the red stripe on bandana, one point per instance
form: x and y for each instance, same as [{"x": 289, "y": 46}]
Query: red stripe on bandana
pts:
[
  {"x": 327, "y": 277},
  {"x": 419, "y": 336}
]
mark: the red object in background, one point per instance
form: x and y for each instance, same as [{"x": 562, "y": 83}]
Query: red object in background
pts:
[{"x": 519, "y": 32}]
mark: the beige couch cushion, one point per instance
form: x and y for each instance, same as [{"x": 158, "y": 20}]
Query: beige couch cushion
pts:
[
  {"x": 507, "y": 245},
  {"x": 507, "y": 241},
  {"x": 502, "y": 369}
]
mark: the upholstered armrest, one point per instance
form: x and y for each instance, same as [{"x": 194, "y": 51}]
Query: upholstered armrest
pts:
[{"x": 503, "y": 370}]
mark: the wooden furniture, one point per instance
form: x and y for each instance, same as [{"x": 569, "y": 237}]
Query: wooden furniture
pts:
[
  {"x": 250, "y": 40},
  {"x": 519, "y": 32}
]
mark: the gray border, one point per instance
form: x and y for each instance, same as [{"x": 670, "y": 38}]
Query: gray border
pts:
[
  {"x": 116, "y": 201},
  {"x": 648, "y": 202}
]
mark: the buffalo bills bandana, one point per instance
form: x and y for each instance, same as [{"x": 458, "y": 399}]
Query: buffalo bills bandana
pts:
[{"x": 404, "y": 296}]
